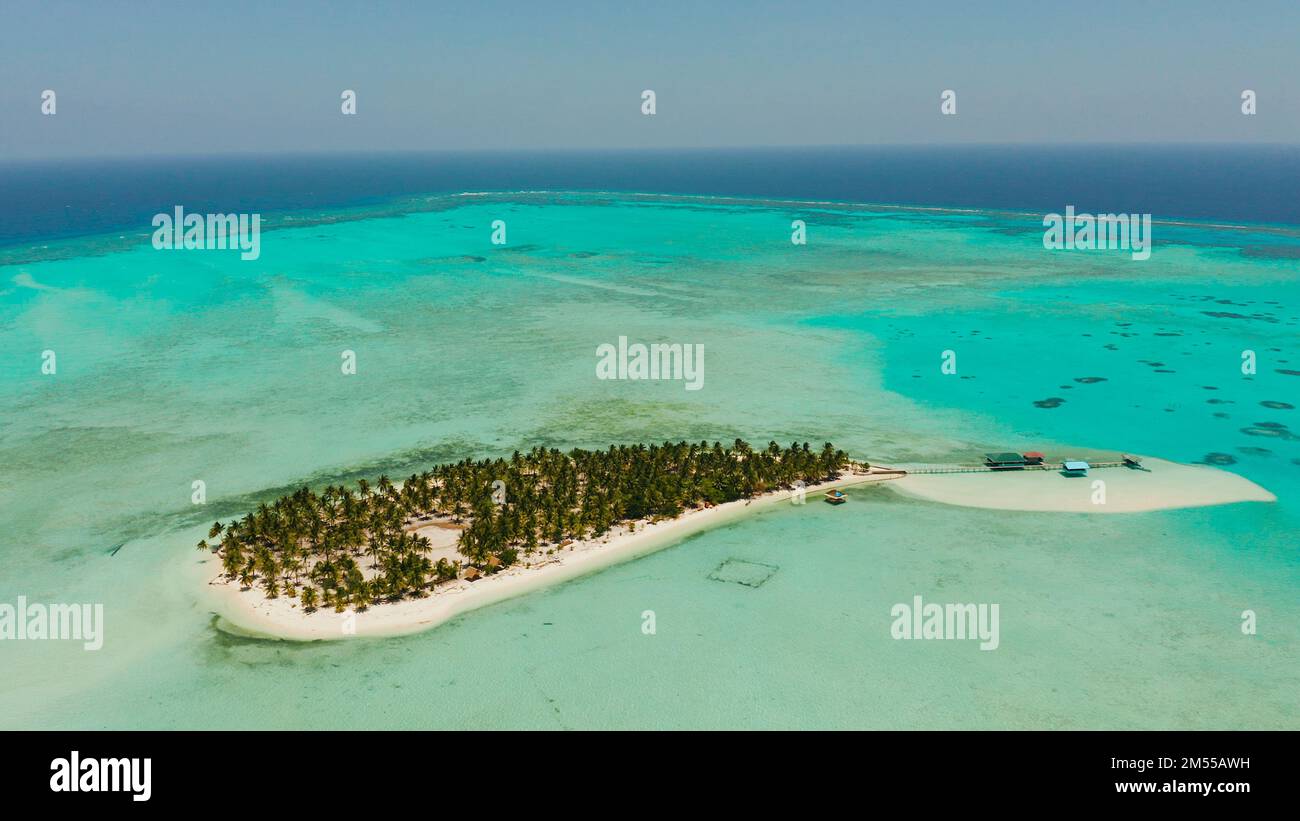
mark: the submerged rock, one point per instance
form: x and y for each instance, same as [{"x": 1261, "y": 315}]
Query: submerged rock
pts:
[
  {"x": 1273, "y": 430},
  {"x": 1219, "y": 459}
]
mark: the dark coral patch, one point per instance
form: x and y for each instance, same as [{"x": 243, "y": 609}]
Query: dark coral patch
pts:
[
  {"x": 1270, "y": 430},
  {"x": 1271, "y": 252},
  {"x": 1230, "y": 315},
  {"x": 1219, "y": 459},
  {"x": 1049, "y": 402}
]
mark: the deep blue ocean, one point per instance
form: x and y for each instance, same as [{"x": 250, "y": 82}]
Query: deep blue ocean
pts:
[{"x": 1259, "y": 184}]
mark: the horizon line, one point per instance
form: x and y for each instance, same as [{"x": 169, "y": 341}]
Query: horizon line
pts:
[{"x": 395, "y": 152}]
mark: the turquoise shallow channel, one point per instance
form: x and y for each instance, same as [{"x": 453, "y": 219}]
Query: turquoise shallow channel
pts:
[{"x": 177, "y": 366}]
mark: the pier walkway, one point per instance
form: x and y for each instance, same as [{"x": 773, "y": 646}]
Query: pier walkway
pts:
[{"x": 986, "y": 469}]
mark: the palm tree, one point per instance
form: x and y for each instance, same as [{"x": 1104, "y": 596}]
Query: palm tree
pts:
[{"x": 554, "y": 497}]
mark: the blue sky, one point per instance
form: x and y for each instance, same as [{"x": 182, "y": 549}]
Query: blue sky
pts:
[{"x": 182, "y": 77}]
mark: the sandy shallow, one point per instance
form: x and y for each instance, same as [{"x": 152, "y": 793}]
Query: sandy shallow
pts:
[{"x": 1161, "y": 486}]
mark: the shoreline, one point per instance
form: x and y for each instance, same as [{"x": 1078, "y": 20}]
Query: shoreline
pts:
[
  {"x": 250, "y": 613},
  {"x": 1163, "y": 486}
]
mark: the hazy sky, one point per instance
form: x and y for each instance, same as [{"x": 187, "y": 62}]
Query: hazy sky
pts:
[{"x": 184, "y": 77}]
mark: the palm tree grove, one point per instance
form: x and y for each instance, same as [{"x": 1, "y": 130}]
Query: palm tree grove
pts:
[{"x": 313, "y": 545}]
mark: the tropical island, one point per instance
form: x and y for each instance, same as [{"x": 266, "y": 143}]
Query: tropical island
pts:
[
  {"x": 467, "y": 534},
  {"x": 348, "y": 549}
]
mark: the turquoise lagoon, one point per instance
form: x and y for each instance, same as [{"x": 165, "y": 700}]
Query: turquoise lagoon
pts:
[{"x": 183, "y": 366}]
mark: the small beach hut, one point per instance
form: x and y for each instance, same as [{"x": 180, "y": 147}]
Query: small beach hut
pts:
[
  {"x": 1033, "y": 457},
  {"x": 471, "y": 573},
  {"x": 1132, "y": 461},
  {"x": 1075, "y": 467},
  {"x": 835, "y": 497},
  {"x": 1004, "y": 461}
]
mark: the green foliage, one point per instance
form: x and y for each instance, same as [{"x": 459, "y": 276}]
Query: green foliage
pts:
[{"x": 550, "y": 497}]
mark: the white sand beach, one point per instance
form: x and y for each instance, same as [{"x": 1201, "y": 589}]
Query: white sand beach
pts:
[
  {"x": 1161, "y": 485},
  {"x": 249, "y": 612}
]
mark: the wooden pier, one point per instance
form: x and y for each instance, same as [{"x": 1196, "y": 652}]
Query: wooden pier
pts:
[{"x": 986, "y": 469}]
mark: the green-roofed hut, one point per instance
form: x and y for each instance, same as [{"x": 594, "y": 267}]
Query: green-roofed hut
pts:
[{"x": 1004, "y": 461}]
